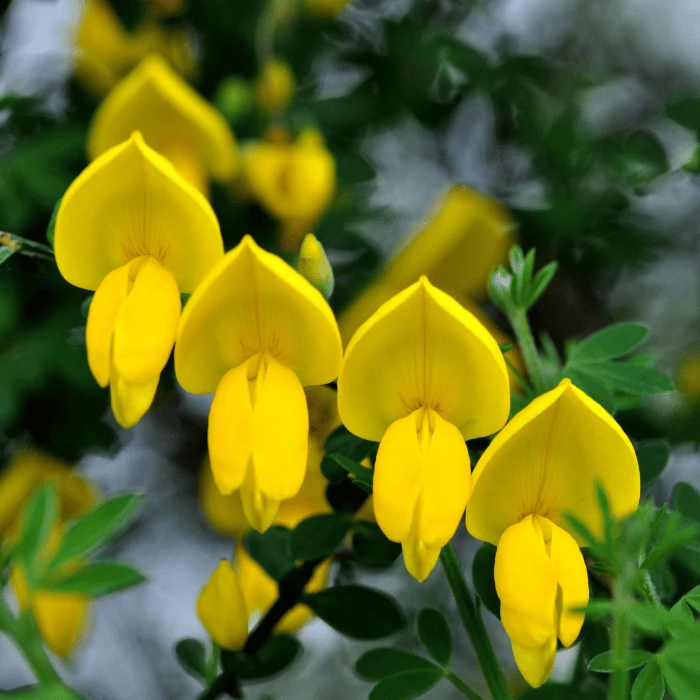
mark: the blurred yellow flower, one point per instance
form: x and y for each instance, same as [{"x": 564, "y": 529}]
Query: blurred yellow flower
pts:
[
  {"x": 173, "y": 119},
  {"x": 687, "y": 375},
  {"x": 260, "y": 591},
  {"x": 62, "y": 618},
  {"x": 255, "y": 332},
  {"x": 222, "y": 610},
  {"x": 106, "y": 51},
  {"x": 133, "y": 229},
  {"x": 422, "y": 375},
  {"x": 275, "y": 86},
  {"x": 294, "y": 182},
  {"x": 325, "y": 8},
  {"x": 464, "y": 237},
  {"x": 543, "y": 464}
]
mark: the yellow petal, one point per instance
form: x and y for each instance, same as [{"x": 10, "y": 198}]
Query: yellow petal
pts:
[
  {"x": 145, "y": 328},
  {"x": 422, "y": 348},
  {"x": 421, "y": 486},
  {"x": 572, "y": 577},
  {"x": 231, "y": 430},
  {"x": 535, "y": 663},
  {"x": 253, "y": 302},
  {"x": 173, "y": 118},
  {"x": 260, "y": 591},
  {"x": 62, "y": 618},
  {"x": 224, "y": 513},
  {"x": 128, "y": 203},
  {"x": 526, "y": 584},
  {"x": 222, "y": 610},
  {"x": 464, "y": 237},
  {"x": 102, "y": 316},
  {"x": 130, "y": 402},
  {"x": 258, "y": 437},
  {"x": 26, "y": 470},
  {"x": 551, "y": 455}
]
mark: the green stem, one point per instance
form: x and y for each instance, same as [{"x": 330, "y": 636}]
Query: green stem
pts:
[
  {"x": 213, "y": 667},
  {"x": 620, "y": 638},
  {"x": 462, "y": 686},
  {"x": 474, "y": 625},
  {"x": 24, "y": 633},
  {"x": 526, "y": 342}
]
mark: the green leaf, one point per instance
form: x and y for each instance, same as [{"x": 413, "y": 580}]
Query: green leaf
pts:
[
  {"x": 610, "y": 343},
  {"x": 6, "y": 252},
  {"x": 594, "y": 388},
  {"x": 652, "y": 456},
  {"x": 541, "y": 282},
  {"x": 95, "y": 580},
  {"x": 361, "y": 476},
  {"x": 406, "y": 685},
  {"x": 88, "y": 533},
  {"x": 192, "y": 657},
  {"x": 643, "y": 158},
  {"x": 357, "y": 612},
  {"x": 686, "y": 501},
  {"x": 38, "y": 519},
  {"x": 692, "y": 598},
  {"x": 377, "y": 664},
  {"x": 52, "y": 223},
  {"x": 603, "y": 663},
  {"x": 319, "y": 536},
  {"x": 435, "y": 635},
  {"x": 686, "y": 112},
  {"x": 44, "y": 692},
  {"x": 484, "y": 582},
  {"x": 342, "y": 441},
  {"x": 649, "y": 683},
  {"x": 272, "y": 550},
  {"x": 278, "y": 652},
  {"x": 679, "y": 665},
  {"x": 371, "y": 546},
  {"x": 630, "y": 378}
]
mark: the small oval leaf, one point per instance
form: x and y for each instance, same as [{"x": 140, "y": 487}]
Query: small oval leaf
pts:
[
  {"x": 377, "y": 664},
  {"x": 603, "y": 663},
  {"x": 406, "y": 686},
  {"x": 319, "y": 536},
  {"x": 434, "y": 634}
]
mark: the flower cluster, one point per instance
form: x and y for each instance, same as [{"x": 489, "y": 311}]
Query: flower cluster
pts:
[{"x": 421, "y": 374}]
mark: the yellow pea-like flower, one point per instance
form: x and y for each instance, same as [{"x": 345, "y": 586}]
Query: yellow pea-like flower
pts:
[
  {"x": 107, "y": 51},
  {"x": 62, "y": 618},
  {"x": 275, "y": 85},
  {"x": 131, "y": 228},
  {"x": 174, "y": 120},
  {"x": 545, "y": 463},
  {"x": 422, "y": 375},
  {"x": 222, "y": 610},
  {"x": 255, "y": 332},
  {"x": 466, "y": 234},
  {"x": 294, "y": 182}
]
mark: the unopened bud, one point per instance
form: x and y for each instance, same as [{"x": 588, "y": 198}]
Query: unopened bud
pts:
[{"x": 313, "y": 264}]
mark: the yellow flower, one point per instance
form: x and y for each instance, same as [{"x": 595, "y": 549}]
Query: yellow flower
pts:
[
  {"x": 106, "y": 51},
  {"x": 255, "y": 332},
  {"x": 465, "y": 236},
  {"x": 174, "y": 120},
  {"x": 545, "y": 463},
  {"x": 422, "y": 375},
  {"x": 260, "y": 591},
  {"x": 133, "y": 229},
  {"x": 275, "y": 85},
  {"x": 62, "y": 618},
  {"x": 222, "y": 610},
  {"x": 294, "y": 182},
  {"x": 325, "y": 8},
  {"x": 687, "y": 375}
]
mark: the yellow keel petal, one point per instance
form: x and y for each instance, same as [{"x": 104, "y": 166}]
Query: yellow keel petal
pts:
[
  {"x": 535, "y": 663},
  {"x": 130, "y": 402}
]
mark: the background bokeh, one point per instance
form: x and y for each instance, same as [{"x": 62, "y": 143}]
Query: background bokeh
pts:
[{"x": 581, "y": 118}]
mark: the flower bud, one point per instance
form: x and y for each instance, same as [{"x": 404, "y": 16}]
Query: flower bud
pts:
[
  {"x": 275, "y": 86},
  {"x": 222, "y": 609},
  {"x": 313, "y": 264}
]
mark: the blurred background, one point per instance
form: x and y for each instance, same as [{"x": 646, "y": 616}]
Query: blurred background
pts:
[{"x": 386, "y": 128}]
